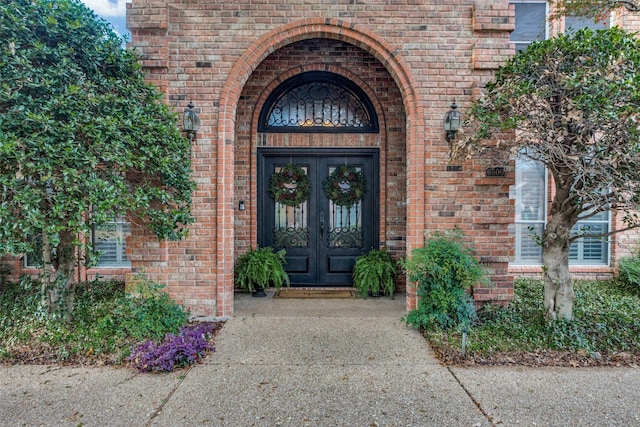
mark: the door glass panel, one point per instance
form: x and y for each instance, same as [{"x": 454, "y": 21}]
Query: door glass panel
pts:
[
  {"x": 345, "y": 223},
  {"x": 291, "y": 228}
]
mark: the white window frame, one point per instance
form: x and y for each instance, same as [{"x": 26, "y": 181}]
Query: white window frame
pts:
[
  {"x": 121, "y": 230},
  {"x": 522, "y": 225},
  {"x": 26, "y": 262},
  {"x": 546, "y": 23},
  {"x": 579, "y": 244},
  {"x": 585, "y": 22},
  {"x": 521, "y": 230}
]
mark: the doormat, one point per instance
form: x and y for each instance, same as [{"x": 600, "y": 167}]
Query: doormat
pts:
[{"x": 314, "y": 293}]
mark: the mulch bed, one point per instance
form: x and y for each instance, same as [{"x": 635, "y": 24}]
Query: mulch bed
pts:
[
  {"x": 43, "y": 354},
  {"x": 453, "y": 357},
  {"x": 39, "y": 353}
]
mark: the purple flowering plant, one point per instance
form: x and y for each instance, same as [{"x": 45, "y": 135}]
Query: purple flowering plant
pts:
[{"x": 185, "y": 348}]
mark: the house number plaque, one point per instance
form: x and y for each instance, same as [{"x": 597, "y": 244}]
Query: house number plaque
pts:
[{"x": 497, "y": 171}]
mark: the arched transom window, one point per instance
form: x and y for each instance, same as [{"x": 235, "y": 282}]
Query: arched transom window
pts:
[{"x": 318, "y": 102}]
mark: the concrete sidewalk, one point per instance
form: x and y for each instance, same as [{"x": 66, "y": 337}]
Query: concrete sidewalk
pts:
[{"x": 312, "y": 362}]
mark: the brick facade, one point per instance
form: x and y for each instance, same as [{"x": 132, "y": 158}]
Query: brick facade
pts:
[{"x": 412, "y": 59}]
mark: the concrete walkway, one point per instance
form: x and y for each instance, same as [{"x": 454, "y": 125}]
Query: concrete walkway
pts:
[{"x": 311, "y": 362}]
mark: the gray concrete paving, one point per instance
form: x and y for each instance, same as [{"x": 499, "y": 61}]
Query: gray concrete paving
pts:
[
  {"x": 294, "y": 362},
  {"x": 306, "y": 362},
  {"x": 80, "y": 396},
  {"x": 555, "y": 396}
]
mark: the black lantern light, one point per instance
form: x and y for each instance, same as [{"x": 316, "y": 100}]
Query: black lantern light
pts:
[
  {"x": 452, "y": 122},
  {"x": 190, "y": 121}
]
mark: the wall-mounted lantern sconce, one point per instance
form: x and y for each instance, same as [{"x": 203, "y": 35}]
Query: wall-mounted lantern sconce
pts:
[
  {"x": 452, "y": 122},
  {"x": 190, "y": 121},
  {"x": 241, "y": 205}
]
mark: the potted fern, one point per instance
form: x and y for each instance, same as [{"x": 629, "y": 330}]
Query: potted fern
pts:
[
  {"x": 258, "y": 268},
  {"x": 374, "y": 274}
]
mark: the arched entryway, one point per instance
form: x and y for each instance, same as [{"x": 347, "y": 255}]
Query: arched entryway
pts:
[
  {"x": 356, "y": 57},
  {"x": 325, "y": 230}
]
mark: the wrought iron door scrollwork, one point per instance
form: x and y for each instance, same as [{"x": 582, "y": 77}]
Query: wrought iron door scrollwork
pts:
[{"x": 290, "y": 237}]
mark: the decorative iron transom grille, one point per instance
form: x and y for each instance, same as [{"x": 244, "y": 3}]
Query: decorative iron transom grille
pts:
[{"x": 318, "y": 102}]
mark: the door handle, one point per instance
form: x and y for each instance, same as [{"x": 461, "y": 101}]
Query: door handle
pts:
[{"x": 322, "y": 224}]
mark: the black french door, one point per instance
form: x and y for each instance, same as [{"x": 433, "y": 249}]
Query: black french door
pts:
[{"x": 322, "y": 237}]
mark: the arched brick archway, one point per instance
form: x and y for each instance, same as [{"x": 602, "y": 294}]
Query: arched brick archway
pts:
[{"x": 268, "y": 43}]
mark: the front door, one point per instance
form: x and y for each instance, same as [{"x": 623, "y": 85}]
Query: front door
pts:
[{"x": 325, "y": 220}]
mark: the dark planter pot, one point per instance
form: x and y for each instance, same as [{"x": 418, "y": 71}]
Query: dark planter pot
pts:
[{"x": 259, "y": 293}]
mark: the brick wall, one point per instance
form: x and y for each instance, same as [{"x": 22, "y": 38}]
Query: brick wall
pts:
[{"x": 415, "y": 58}]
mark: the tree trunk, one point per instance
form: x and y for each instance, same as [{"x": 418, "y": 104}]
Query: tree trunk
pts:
[
  {"x": 58, "y": 280},
  {"x": 66, "y": 266},
  {"x": 558, "y": 286},
  {"x": 47, "y": 279}
]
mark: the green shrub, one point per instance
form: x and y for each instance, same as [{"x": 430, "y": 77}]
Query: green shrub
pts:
[
  {"x": 630, "y": 273},
  {"x": 17, "y": 308},
  {"x": 374, "y": 273},
  {"x": 50, "y": 339},
  {"x": 147, "y": 313},
  {"x": 606, "y": 321},
  {"x": 443, "y": 271},
  {"x": 106, "y": 323},
  {"x": 258, "y": 268}
]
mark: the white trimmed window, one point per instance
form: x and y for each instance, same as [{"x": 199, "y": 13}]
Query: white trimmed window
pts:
[
  {"x": 530, "y": 220},
  {"x": 575, "y": 23},
  {"x": 110, "y": 240},
  {"x": 34, "y": 259},
  {"x": 590, "y": 250},
  {"x": 530, "y": 210},
  {"x": 530, "y": 24},
  {"x": 531, "y": 176}
]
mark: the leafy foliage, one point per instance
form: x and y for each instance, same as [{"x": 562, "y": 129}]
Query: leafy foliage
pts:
[
  {"x": 596, "y": 9},
  {"x": 175, "y": 351},
  {"x": 80, "y": 131},
  {"x": 574, "y": 101},
  {"x": 374, "y": 273},
  {"x": 147, "y": 313},
  {"x": 21, "y": 328},
  {"x": 630, "y": 273},
  {"x": 261, "y": 267},
  {"x": 107, "y": 323},
  {"x": 606, "y": 323},
  {"x": 443, "y": 271}
]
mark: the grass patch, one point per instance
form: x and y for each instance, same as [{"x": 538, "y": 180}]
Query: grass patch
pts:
[
  {"x": 107, "y": 323},
  {"x": 606, "y": 330}
]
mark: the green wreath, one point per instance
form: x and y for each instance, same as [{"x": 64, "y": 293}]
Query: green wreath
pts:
[
  {"x": 345, "y": 186},
  {"x": 290, "y": 186}
]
